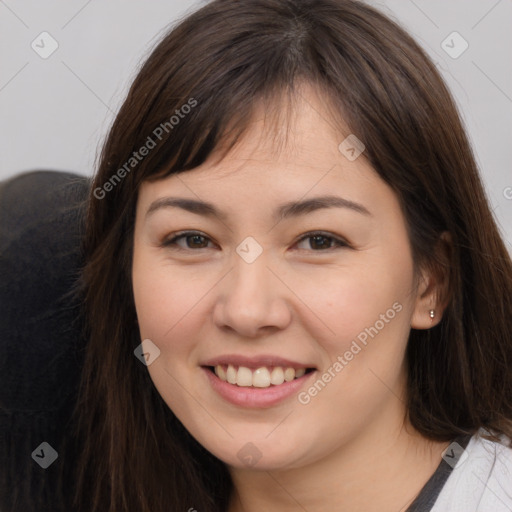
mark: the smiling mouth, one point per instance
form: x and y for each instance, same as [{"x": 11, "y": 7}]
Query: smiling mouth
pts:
[{"x": 263, "y": 377}]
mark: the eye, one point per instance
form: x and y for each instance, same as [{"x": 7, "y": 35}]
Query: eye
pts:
[
  {"x": 320, "y": 241},
  {"x": 192, "y": 240}
]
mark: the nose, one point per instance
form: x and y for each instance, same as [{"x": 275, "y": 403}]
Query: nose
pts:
[{"x": 252, "y": 301}]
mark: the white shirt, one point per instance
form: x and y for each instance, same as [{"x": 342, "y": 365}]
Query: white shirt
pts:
[{"x": 481, "y": 480}]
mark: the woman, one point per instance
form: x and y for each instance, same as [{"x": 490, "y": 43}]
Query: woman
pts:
[{"x": 296, "y": 293}]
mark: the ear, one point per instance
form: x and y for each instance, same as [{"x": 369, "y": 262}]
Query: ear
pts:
[{"x": 432, "y": 293}]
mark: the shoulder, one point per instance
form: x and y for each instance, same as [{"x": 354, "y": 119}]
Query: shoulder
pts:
[{"x": 482, "y": 479}]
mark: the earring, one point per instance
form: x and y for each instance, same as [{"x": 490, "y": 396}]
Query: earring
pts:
[{"x": 432, "y": 314}]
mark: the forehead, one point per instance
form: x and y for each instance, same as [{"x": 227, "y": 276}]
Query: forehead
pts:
[
  {"x": 288, "y": 138},
  {"x": 283, "y": 155}
]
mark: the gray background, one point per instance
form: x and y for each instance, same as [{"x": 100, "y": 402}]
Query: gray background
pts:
[{"x": 55, "y": 111}]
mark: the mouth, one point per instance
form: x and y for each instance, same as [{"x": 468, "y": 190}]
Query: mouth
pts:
[
  {"x": 262, "y": 377},
  {"x": 261, "y": 387}
]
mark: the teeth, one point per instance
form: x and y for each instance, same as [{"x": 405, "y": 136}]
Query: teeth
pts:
[
  {"x": 277, "y": 376},
  {"x": 261, "y": 378},
  {"x": 230, "y": 375},
  {"x": 244, "y": 377},
  {"x": 221, "y": 373},
  {"x": 289, "y": 374}
]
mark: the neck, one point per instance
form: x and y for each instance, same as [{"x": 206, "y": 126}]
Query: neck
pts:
[{"x": 379, "y": 471}]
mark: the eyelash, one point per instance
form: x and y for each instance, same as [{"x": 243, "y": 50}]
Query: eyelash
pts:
[{"x": 171, "y": 242}]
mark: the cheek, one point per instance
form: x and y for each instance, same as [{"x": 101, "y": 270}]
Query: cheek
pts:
[
  {"x": 166, "y": 304},
  {"x": 368, "y": 310},
  {"x": 174, "y": 307},
  {"x": 354, "y": 301},
  {"x": 162, "y": 298},
  {"x": 370, "y": 313}
]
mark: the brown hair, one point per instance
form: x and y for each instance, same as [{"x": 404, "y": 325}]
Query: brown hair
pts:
[{"x": 227, "y": 56}]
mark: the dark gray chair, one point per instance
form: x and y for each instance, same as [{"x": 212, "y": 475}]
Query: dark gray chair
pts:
[{"x": 41, "y": 336}]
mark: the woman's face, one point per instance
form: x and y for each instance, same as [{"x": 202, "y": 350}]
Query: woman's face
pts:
[{"x": 299, "y": 262}]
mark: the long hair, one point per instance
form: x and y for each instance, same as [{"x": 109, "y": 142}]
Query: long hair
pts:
[{"x": 220, "y": 61}]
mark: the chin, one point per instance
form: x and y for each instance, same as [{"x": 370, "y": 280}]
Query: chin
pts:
[{"x": 260, "y": 452}]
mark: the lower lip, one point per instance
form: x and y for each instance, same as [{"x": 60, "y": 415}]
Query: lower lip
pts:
[{"x": 256, "y": 397}]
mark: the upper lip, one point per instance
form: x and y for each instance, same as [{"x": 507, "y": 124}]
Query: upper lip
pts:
[{"x": 254, "y": 361}]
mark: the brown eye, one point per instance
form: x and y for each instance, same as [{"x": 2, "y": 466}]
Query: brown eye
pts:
[
  {"x": 196, "y": 241},
  {"x": 321, "y": 242},
  {"x": 192, "y": 241}
]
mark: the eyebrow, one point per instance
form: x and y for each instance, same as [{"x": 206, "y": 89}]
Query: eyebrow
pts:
[{"x": 284, "y": 211}]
